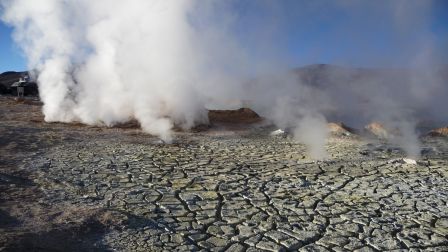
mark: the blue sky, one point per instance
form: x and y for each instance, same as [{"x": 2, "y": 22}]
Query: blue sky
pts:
[
  {"x": 11, "y": 57},
  {"x": 389, "y": 33},
  {"x": 346, "y": 32}
]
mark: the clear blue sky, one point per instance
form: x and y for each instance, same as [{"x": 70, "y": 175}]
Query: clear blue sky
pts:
[
  {"x": 346, "y": 32},
  {"x": 11, "y": 57}
]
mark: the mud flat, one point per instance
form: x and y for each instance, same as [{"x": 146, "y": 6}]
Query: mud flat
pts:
[{"x": 73, "y": 187}]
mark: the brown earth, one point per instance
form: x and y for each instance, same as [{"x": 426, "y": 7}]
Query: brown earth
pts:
[
  {"x": 340, "y": 128},
  {"x": 440, "y": 132},
  {"x": 242, "y": 115},
  {"x": 377, "y": 129}
]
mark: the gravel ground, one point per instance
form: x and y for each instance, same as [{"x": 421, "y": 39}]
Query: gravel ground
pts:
[{"x": 68, "y": 187}]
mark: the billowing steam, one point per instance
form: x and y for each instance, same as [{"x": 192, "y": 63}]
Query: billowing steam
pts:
[
  {"x": 111, "y": 61},
  {"x": 163, "y": 62}
]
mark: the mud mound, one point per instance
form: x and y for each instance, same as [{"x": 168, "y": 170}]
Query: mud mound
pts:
[
  {"x": 242, "y": 115},
  {"x": 440, "y": 132},
  {"x": 340, "y": 129},
  {"x": 377, "y": 129}
]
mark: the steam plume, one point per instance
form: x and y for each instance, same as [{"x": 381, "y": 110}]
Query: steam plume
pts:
[{"x": 111, "y": 61}]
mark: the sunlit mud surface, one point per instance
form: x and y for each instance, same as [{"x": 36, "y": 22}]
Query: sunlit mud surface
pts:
[{"x": 69, "y": 187}]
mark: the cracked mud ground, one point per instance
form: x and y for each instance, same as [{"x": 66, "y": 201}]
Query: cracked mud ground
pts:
[{"x": 78, "y": 188}]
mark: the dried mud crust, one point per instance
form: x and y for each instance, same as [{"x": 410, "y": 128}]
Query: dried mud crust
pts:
[{"x": 72, "y": 188}]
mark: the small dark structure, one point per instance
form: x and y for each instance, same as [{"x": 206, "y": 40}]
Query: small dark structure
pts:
[{"x": 20, "y": 85}]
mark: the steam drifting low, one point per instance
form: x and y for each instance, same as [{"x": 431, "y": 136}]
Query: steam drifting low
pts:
[{"x": 163, "y": 62}]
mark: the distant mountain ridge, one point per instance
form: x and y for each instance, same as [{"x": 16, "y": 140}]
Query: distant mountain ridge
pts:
[
  {"x": 8, "y": 78},
  {"x": 312, "y": 74}
]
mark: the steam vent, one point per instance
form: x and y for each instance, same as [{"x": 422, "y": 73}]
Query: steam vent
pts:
[{"x": 233, "y": 126}]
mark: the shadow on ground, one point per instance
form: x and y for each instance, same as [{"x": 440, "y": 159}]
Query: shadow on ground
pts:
[{"x": 86, "y": 237}]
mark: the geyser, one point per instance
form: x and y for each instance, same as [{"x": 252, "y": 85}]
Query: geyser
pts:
[
  {"x": 162, "y": 62},
  {"x": 106, "y": 62}
]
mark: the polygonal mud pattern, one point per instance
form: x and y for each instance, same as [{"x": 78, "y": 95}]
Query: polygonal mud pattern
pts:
[{"x": 252, "y": 193}]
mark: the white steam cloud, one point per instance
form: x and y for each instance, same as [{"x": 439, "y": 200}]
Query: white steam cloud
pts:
[{"x": 111, "y": 61}]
